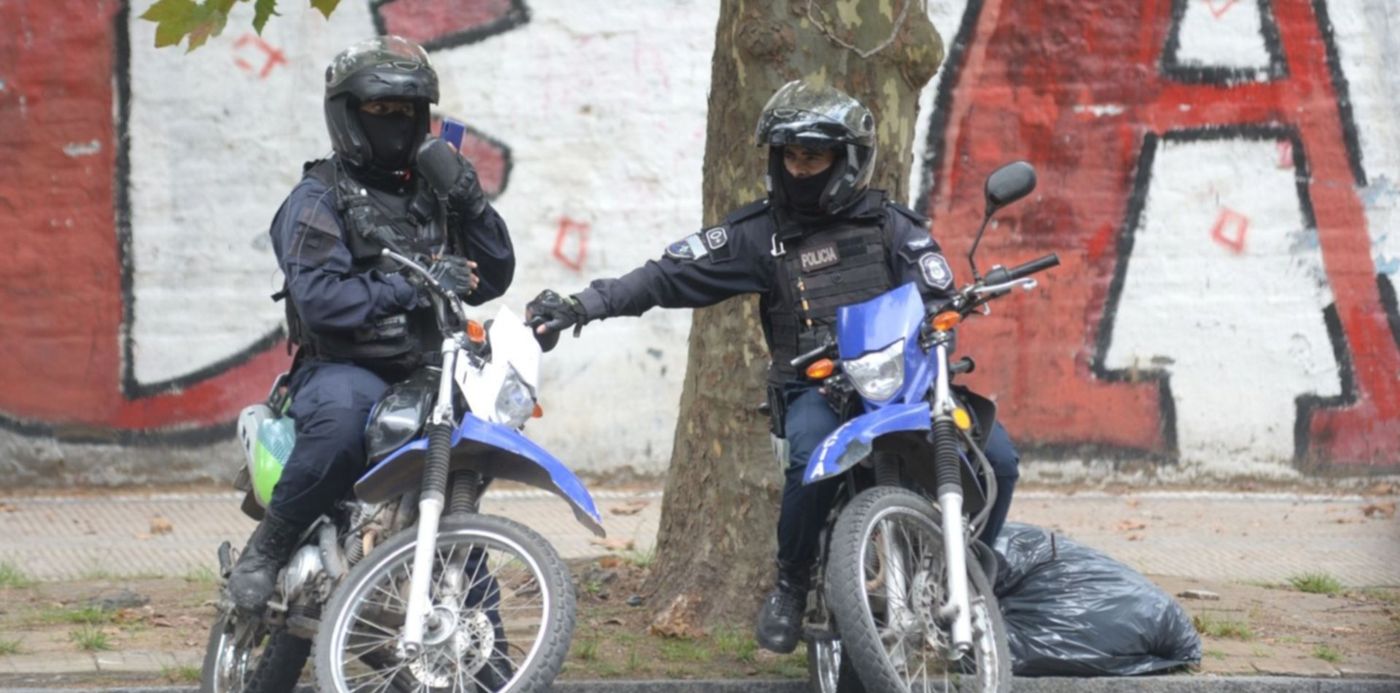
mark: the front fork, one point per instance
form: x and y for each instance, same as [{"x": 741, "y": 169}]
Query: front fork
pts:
[
  {"x": 430, "y": 505},
  {"x": 948, "y": 468}
]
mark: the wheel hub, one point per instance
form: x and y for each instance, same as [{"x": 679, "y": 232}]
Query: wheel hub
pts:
[{"x": 453, "y": 643}]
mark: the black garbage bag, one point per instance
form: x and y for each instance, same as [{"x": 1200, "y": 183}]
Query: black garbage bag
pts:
[{"x": 1072, "y": 611}]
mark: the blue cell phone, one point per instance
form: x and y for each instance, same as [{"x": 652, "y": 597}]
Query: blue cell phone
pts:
[{"x": 452, "y": 131}]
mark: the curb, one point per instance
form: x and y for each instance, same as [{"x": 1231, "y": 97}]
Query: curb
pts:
[{"x": 1162, "y": 684}]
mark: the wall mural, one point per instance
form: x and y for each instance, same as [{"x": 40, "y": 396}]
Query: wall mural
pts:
[{"x": 1219, "y": 177}]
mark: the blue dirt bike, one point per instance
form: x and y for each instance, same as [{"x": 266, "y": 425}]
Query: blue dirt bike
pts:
[
  {"x": 405, "y": 586},
  {"x": 904, "y": 589}
]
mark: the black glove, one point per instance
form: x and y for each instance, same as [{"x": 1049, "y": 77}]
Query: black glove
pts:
[
  {"x": 555, "y": 314},
  {"x": 453, "y": 272},
  {"x": 450, "y": 175}
]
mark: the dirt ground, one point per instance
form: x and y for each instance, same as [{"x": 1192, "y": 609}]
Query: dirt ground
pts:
[{"x": 1251, "y": 629}]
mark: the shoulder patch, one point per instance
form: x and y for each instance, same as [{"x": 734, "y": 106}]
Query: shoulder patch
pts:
[
  {"x": 716, "y": 237},
  {"x": 689, "y": 248},
  {"x": 935, "y": 270},
  {"x": 919, "y": 243}
]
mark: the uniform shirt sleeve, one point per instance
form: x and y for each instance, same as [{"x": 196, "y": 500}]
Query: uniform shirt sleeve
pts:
[
  {"x": 700, "y": 270},
  {"x": 916, "y": 257},
  {"x": 308, "y": 238},
  {"x": 486, "y": 241}
]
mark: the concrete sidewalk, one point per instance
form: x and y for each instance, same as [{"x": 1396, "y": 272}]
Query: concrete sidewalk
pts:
[
  {"x": 1232, "y": 537},
  {"x": 1219, "y": 536}
]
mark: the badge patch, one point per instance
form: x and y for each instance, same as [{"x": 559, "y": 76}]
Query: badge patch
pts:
[
  {"x": 813, "y": 259},
  {"x": 919, "y": 243},
  {"x": 716, "y": 237},
  {"x": 688, "y": 248},
  {"x": 936, "y": 272}
]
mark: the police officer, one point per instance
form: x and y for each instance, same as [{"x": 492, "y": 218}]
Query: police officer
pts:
[
  {"x": 357, "y": 323},
  {"x": 819, "y": 241}
]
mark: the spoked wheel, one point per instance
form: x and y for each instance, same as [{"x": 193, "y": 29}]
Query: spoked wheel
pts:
[
  {"x": 501, "y": 614},
  {"x": 828, "y": 670},
  {"x": 886, "y": 581},
  {"x": 243, "y": 656}
]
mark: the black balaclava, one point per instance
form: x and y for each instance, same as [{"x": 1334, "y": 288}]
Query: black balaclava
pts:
[
  {"x": 804, "y": 194},
  {"x": 391, "y": 139}
]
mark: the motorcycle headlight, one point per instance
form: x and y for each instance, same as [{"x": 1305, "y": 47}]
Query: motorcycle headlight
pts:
[
  {"x": 879, "y": 374},
  {"x": 515, "y": 402}
]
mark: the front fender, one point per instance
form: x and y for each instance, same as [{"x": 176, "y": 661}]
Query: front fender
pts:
[
  {"x": 493, "y": 450},
  {"x": 853, "y": 440}
]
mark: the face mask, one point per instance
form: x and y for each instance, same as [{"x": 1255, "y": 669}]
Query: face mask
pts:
[
  {"x": 804, "y": 194},
  {"x": 390, "y": 138}
]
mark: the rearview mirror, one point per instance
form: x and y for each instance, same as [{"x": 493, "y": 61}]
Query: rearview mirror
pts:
[{"x": 1008, "y": 184}]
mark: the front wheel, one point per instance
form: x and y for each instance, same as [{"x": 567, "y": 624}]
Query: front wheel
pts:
[
  {"x": 828, "y": 670},
  {"x": 243, "y": 657},
  {"x": 501, "y": 614},
  {"x": 886, "y": 579}
]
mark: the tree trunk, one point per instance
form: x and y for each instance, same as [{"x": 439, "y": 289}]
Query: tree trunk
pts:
[{"x": 717, "y": 541}]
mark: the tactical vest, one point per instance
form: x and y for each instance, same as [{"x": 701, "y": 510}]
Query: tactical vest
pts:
[
  {"x": 817, "y": 273},
  {"x": 396, "y": 341}
]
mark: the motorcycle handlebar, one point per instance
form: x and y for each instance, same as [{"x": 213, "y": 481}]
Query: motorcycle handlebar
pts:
[
  {"x": 801, "y": 361},
  {"x": 1001, "y": 275}
]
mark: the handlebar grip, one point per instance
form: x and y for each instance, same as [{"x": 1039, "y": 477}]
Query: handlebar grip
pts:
[
  {"x": 1039, "y": 264},
  {"x": 804, "y": 359}
]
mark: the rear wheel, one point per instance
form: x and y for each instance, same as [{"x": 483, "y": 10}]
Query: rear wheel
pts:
[
  {"x": 244, "y": 656},
  {"x": 828, "y": 670},
  {"x": 886, "y": 582}
]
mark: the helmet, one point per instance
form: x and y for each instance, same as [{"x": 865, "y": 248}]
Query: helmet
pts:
[
  {"x": 387, "y": 67},
  {"x": 821, "y": 117}
]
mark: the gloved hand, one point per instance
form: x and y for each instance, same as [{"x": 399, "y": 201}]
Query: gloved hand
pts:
[
  {"x": 453, "y": 272},
  {"x": 549, "y": 313},
  {"x": 451, "y": 175}
]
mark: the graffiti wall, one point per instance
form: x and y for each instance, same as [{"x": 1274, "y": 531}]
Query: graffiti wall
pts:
[{"x": 1219, "y": 177}]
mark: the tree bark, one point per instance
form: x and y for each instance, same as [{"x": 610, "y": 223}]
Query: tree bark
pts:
[{"x": 717, "y": 541}]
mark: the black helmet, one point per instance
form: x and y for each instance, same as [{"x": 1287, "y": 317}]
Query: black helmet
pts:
[
  {"x": 387, "y": 67},
  {"x": 821, "y": 117}
]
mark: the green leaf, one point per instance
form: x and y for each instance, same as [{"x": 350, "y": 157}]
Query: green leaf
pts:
[
  {"x": 262, "y": 10},
  {"x": 325, "y": 6},
  {"x": 173, "y": 19}
]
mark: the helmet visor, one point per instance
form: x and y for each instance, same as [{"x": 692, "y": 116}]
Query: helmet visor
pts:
[
  {"x": 385, "y": 53},
  {"x": 813, "y": 116}
]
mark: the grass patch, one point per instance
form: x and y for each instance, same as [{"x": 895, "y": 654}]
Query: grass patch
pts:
[
  {"x": 1316, "y": 583},
  {"x": 737, "y": 644},
  {"x": 180, "y": 674},
  {"x": 86, "y": 615},
  {"x": 1215, "y": 654},
  {"x": 1217, "y": 627},
  {"x": 641, "y": 559},
  {"x": 585, "y": 649},
  {"x": 203, "y": 575},
  {"x": 90, "y": 638},
  {"x": 1327, "y": 653},
  {"x": 12, "y": 576},
  {"x": 9, "y": 647},
  {"x": 684, "y": 651}
]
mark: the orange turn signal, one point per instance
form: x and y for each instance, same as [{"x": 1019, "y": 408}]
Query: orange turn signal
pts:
[
  {"x": 538, "y": 411},
  {"x": 821, "y": 369},
  {"x": 476, "y": 332},
  {"x": 946, "y": 320}
]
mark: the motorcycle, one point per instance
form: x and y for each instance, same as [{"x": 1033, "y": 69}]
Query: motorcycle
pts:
[
  {"x": 904, "y": 588},
  {"x": 405, "y": 585}
]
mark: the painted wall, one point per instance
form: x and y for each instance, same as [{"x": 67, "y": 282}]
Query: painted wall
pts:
[{"x": 1219, "y": 177}]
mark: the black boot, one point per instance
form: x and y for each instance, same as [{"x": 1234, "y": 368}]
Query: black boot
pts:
[
  {"x": 251, "y": 582},
  {"x": 780, "y": 619}
]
